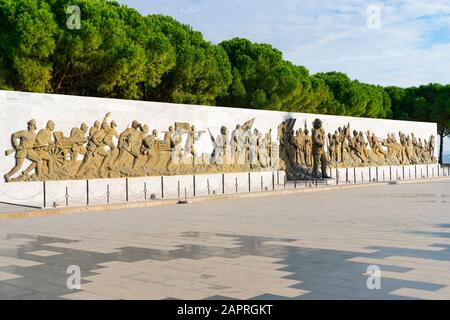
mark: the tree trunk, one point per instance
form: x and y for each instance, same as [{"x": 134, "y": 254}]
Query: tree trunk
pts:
[{"x": 441, "y": 145}]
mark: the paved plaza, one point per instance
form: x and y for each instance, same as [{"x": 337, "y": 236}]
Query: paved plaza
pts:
[{"x": 304, "y": 246}]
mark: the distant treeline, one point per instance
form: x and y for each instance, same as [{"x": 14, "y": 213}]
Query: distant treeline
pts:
[{"x": 120, "y": 53}]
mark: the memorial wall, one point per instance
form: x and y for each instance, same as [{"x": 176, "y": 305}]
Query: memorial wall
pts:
[{"x": 54, "y": 137}]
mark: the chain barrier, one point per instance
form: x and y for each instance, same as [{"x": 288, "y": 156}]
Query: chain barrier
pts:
[
  {"x": 21, "y": 199},
  {"x": 260, "y": 183}
]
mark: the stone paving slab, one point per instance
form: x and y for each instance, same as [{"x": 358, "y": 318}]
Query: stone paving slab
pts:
[{"x": 315, "y": 245}]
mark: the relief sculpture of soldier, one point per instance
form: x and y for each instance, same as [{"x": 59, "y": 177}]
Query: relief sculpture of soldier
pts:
[
  {"x": 23, "y": 143},
  {"x": 134, "y": 152},
  {"x": 318, "y": 151}
]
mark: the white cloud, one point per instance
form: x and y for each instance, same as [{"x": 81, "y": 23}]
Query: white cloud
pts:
[{"x": 330, "y": 35}]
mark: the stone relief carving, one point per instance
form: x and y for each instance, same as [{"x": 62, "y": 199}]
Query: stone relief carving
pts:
[{"x": 102, "y": 152}]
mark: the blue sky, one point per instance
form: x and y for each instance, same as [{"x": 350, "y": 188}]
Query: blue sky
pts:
[{"x": 411, "y": 46}]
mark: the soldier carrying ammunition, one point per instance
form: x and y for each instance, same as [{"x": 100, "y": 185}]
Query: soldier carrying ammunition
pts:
[{"x": 23, "y": 143}]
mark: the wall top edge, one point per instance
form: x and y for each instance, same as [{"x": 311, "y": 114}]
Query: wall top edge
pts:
[{"x": 24, "y": 95}]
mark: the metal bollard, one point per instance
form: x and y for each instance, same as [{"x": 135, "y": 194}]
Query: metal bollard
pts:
[
  {"x": 67, "y": 196},
  {"x": 145, "y": 190},
  {"x": 126, "y": 189},
  {"x": 273, "y": 180},
  {"x": 193, "y": 185},
  {"x": 87, "y": 192},
  {"x": 44, "y": 193}
]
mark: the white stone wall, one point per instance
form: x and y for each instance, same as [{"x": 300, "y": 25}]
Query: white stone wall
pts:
[{"x": 70, "y": 111}]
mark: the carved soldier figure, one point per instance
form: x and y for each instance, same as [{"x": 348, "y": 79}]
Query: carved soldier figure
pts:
[
  {"x": 319, "y": 155},
  {"x": 23, "y": 142},
  {"x": 377, "y": 147},
  {"x": 127, "y": 142},
  {"x": 96, "y": 147},
  {"x": 341, "y": 138},
  {"x": 263, "y": 156},
  {"x": 111, "y": 134},
  {"x": 300, "y": 147},
  {"x": 431, "y": 147},
  {"x": 269, "y": 143},
  {"x": 190, "y": 142},
  {"x": 78, "y": 139},
  {"x": 93, "y": 129},
  {"x": 43, "y": 142},
  {"x": 337, "y": 146},
  {"x": 253, "y": 149},
  {"x": 234, "y": 138},
  {"x": 308, "y": 148},
  {"x": 330, "y": 146},
  {"x": 148, "y": 144},
  {"x": 219, "y": 153},
  {"x": 420, "y": 150}
]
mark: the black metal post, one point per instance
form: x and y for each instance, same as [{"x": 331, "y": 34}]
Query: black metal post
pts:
[
  {"x": 145, "y": 190},
  {"x": 337, "y": 176},
  {"x": 67, "y": 196},
  {"x": 208, "y": 187},
  {"x": 44, "y": 192},
  {"x": 236, "y": 185},
  {"x": 390, "y": 173},
  {"x": 87, "y": 192},
  {"x": 249, "y": 183},
  {"x": 273, "y": 180},
  {"x": 178, "y": 189},
  {"x": 346, "y": 176},
  {"x": 278, "y": 177},
  {"x": 162, "y": 187},
  {"x": 403, "y": 169},
  {"x": 262, "y": 183},
  {"x": 295, "y": 183},
  {"x": 193, "y": 184},
  {"x": 370, "y": 175},
  {"x": 354, "y": 175},
  {"x": 427, "y": 171},
  {"x": 223, "y": 183},
  {"x": 415, "y": 171},
  {"x": 376, "y": 172}
]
